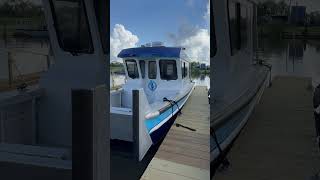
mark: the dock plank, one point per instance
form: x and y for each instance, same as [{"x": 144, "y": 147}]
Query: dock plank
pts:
[
  {"x": 278, "y": 141},
  {"x": 185, "y": 154}
]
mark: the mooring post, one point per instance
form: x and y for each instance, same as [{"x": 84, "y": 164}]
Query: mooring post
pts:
[
  {"x": 90, "y": 137},
  {"x": 135, "y": 123}
]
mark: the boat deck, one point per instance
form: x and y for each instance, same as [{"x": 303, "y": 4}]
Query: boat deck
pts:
[
  {"x": 184, "y": 154},
  {"x": 278, "y": 141}
]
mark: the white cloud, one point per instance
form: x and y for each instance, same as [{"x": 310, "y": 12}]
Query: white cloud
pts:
[
  {"x": 196, "y": 40},
  {"x": 121, "y": 38},
  {"x": 207, "y": 14}
]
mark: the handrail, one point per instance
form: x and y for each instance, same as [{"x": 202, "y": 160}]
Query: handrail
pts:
[
  {"x": 12, "y": 50},
  {"x": 22, "y": 97}
]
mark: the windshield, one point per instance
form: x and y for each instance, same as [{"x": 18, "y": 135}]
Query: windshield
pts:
[
  {"x": 168, "y": 70},
  {"x": 213, "y": 42},
  {"x": 102, "y": 11},
  {"x": 71, "y": 24},
  {"x": 152, "y": 70},
  {"x": 142, "y": 68},
  {"x": 132, "y": 69}
]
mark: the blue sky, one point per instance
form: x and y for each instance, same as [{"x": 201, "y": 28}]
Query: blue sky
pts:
[
  {"x": 154, "y": 20},
  {"x": 174, "y": 22}
]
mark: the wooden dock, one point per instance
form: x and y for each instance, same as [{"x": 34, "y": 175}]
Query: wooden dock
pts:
[
  {"x": 278, "y": 141},
  {"x": 184, "y": 154}
]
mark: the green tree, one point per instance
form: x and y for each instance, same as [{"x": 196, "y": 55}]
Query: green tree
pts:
[{"x": 20, "y": 8}]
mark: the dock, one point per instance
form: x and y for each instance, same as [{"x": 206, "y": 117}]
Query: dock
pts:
[
  {"x": 184, "y": 154},
  {"x": 278, "y": 141}
]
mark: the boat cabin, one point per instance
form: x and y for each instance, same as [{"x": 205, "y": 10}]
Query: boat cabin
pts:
[
  {"x": 158, "y": 70},
  {"x": 161, "y": 76}
]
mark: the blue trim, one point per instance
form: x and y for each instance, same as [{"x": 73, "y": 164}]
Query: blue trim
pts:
[
  {"x": 151, "y": 123},
  {"x": 148, "y": 52},
  {"x": 157, "y": 135}
]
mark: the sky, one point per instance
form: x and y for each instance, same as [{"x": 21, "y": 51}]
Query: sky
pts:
[{"x": 174, "y": 22}]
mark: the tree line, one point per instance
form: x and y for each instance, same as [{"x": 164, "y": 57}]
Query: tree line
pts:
[{"x": 20, "y": 8}]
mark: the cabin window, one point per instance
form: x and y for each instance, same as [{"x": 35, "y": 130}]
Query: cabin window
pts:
[
  {"x": 132, "y": 69},
  {"x": 244, "y": 27},
  {"x": 142, "y": 68},
  {"x": 101, "y": 9},
  {"x": 235, "y": 26},
  {"x": 168, "y": 70},
  {"x": 213, "y": 40},
  {"x": 184, "y": 69},
  {"x": 152, "y": 70},
  {"x": 72, "y": 27}
]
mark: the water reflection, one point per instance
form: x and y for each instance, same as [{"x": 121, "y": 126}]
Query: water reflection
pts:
[
  {"x": 22, "y": 59},
  {"x": 117, "y": 80},
  {"x": 293, "y": 58},
  {"x": 202, "y": 80}
]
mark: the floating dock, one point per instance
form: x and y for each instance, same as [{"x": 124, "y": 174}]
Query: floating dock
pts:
[
  {"x": 185, "y": 154},
  {"x": 278, "y": 141}
]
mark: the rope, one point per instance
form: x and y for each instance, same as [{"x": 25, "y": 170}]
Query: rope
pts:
[
  {"x": 172, "y": 103},
  {"x": 225, "y": 162}
]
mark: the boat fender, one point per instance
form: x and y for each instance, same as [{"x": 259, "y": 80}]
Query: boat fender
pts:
[{"x": 152, "y": 115}]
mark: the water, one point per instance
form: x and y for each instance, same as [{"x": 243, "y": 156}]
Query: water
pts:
[
  {"x": 117, "y": 80},
  {"x": 27, "y": 56},
  {"x": 202, "y": 80},
  {"x": 298, "y": 58}
]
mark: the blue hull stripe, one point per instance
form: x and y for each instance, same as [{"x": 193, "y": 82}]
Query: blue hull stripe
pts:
[{"x": 151, "y": 123}]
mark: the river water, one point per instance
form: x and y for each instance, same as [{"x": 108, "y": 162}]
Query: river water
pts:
[
  {"x": 202, "y": 80},
  {"x": 293, "y": 58},
  {"x": 27, "y": 56},
  {"x": 288, "y": 57},
  {"x": 299, "y": 58}
]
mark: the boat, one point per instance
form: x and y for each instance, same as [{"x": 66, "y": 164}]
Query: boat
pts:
[
  {"x": 240, "y": 76},
  {"x": 162, "y": 76},
  {"x": 59, "y": 128}
]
